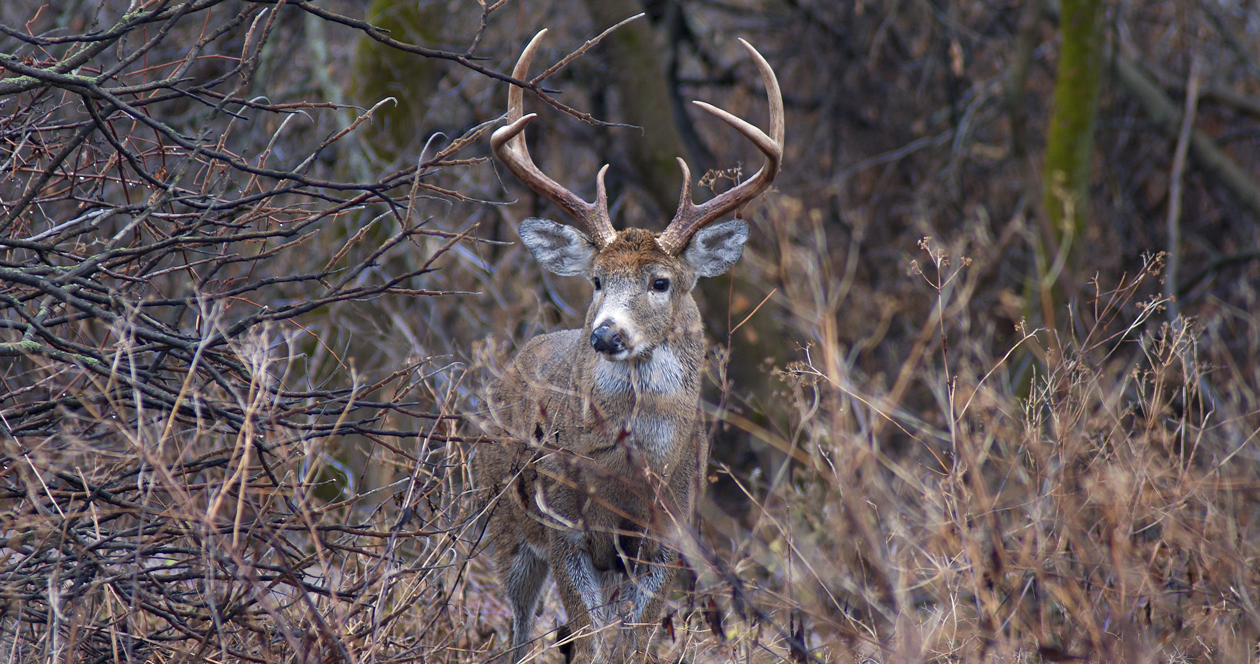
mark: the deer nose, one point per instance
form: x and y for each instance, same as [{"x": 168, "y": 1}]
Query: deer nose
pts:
[{"x": 607, "y": 340}]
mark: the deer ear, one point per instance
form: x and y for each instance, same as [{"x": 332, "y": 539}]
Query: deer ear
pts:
[
  {"x": 714, "y": 249},
  {"x": 563, "y": 250}
]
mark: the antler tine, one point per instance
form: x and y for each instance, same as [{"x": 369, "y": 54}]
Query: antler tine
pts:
[
  {"x": 691, "y": 217},
  {"x": 508, "y": 144}
]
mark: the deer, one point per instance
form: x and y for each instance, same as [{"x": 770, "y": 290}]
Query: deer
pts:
[{"x": 600, "y": 446}]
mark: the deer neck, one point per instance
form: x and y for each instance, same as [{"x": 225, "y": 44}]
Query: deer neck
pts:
[{"x": 653, "y": 397}]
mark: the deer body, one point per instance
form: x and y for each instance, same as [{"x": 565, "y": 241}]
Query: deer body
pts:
[{"x": 600, "y": 441}]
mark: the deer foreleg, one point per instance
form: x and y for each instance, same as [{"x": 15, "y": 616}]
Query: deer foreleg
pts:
[
  {"x": 523, "y": 579},
  {"x": 590, "y": 586},
  {"x": 584, "y": 591},
  {"x": 646, "y": 580}
]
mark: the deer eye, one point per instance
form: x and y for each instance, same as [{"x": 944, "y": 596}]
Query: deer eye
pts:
[
  {"x": 660, "y": 285},
  {"x": 598, "y": 283}
]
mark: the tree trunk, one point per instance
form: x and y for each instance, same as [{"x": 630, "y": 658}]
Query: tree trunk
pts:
[
  {"x": 381, "y": 71},
  {"x": 639, "y": 75},
  {"x": 1070, "y": 144}
]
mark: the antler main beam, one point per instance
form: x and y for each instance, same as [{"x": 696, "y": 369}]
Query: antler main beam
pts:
[
  {"x": 509, "y": 146},
  {"x": 691, "y": 217}
]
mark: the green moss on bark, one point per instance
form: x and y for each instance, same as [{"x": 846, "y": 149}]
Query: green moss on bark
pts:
[
  {"x": 1070, "y": 143},
  {"x": 381, "y": 71}
]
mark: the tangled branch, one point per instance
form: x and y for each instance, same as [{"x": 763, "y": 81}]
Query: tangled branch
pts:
[{"x": 166, "y": 477}]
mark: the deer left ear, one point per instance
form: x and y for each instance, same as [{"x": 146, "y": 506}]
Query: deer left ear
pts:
[
  {"x": 563, "y": 250},
  {"x": 714, "y": 249}
]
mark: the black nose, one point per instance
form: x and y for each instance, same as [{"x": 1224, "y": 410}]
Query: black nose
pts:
[{"x": 605, "y": 340}]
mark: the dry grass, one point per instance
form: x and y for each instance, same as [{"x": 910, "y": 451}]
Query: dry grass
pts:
[{"x": 1107, "y": 514}]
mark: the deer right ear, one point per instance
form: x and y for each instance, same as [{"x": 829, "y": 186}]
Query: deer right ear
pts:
[
  {"x": 563, "y": 250},
  {"x": 714, "y": 249}
]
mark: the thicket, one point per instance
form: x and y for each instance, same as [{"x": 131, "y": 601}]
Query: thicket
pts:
[{"x": 255, "y": 265}]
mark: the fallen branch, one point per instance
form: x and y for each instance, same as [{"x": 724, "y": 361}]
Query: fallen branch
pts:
[
  {"x": 1215, "y": 266},
  {"x": 1164, "y": 114},
  {"x": 1175, "y": 188}
]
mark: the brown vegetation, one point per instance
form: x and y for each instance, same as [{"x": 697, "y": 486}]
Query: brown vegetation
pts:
[{"x": 245, "y": 315}]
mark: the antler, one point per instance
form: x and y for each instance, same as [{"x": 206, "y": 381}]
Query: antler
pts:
[
  {"x": 691, "y": 217},
  {"x": 508, "y": 144}
]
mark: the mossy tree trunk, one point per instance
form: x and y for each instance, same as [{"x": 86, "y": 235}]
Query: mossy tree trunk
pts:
[
  {"x": 395, "y": 134},
  {"x": 1070, "y": 143},
  {"x": 381, "y": 71}
]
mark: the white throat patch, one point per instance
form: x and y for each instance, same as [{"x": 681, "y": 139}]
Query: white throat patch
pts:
[{"x": 661, "y": 374}]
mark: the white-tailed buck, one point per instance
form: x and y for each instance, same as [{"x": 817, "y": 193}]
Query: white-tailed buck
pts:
[{"x": 600, "y": 445}]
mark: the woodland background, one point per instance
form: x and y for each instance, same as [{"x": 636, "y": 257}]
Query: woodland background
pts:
[{"x": 984, "y": 387}]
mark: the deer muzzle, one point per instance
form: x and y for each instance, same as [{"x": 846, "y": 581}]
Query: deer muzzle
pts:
[{"x": 607, "y": 340}]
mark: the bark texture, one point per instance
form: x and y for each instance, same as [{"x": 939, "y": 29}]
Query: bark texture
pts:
[
  {"x": 1075, "y": 112},
  {"x": 381, "y": 71},
  {"x": 638, "y": 73}
]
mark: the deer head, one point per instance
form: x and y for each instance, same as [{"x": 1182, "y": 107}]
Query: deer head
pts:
[{"x": 640, "y": 279}]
